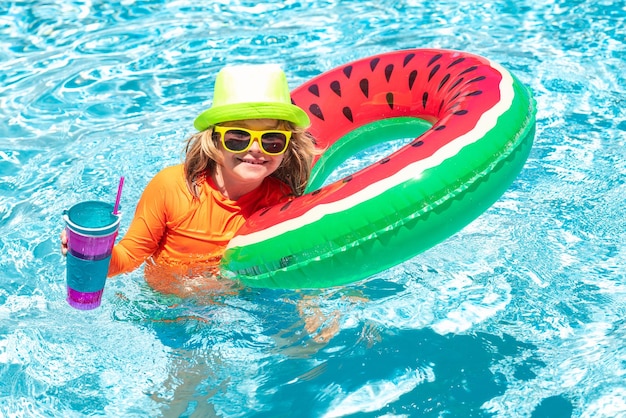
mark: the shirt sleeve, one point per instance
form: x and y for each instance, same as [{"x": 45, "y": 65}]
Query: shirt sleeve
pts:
[{"x": 145, "y": 231}]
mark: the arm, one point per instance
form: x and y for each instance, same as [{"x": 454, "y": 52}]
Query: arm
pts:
[{"x": 145, "y": 231}]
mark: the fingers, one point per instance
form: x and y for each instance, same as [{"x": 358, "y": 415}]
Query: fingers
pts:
[{"x": 64, "y": 242}]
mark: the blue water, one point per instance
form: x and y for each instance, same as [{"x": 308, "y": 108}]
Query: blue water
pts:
[{"x": 521, "y": 314}]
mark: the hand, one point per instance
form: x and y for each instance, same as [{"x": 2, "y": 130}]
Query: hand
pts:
[
  {"x": 320, "y": 325},
  {"x": 64, "y": 242}
]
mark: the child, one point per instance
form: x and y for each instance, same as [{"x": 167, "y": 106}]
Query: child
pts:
[{"x": 251, "y": 152}]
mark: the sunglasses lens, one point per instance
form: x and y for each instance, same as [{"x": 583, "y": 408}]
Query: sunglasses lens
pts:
[
  {"x": 236, "y": 140},
  {"x": 274, "y": 142}
]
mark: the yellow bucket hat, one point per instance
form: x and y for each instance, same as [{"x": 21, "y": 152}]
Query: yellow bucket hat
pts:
[{"x": 251, "y": 92}]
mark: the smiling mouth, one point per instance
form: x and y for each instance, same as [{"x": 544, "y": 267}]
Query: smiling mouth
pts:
[{"x": 253, "y": 162}]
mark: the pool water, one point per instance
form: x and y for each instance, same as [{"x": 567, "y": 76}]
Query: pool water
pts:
[{"x": 520, "y": 314}]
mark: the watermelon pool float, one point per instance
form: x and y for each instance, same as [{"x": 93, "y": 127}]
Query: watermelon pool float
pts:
[{"x": 470, "y": 125}]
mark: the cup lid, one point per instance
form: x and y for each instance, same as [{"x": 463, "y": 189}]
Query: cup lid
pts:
[{"x": 92, "y": 217}]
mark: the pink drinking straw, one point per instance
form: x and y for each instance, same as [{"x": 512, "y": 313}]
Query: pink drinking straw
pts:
[{"x": 119, "y": 196}]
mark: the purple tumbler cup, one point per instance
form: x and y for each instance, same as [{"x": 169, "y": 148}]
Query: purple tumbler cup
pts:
[{"x": 91, "y": 231}]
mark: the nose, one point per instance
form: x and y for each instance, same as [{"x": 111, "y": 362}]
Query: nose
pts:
[{"x": 256, "y": 145}]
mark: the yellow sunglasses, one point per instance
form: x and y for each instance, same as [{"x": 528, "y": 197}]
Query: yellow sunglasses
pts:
[{"x": 238, "y": 140}]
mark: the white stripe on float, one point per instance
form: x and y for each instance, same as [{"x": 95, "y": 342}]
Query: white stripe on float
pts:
[{"x": 486, "y": 122}]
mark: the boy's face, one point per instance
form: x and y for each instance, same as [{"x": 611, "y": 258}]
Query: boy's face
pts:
[{"x": 253, "y": 165}]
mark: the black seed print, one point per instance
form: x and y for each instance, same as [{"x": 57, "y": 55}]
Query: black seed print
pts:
[
  {"x": 412, "y": 78},
  {"x": 424, "y": 99},
  {"x": 347, "y": 112},
  {"x": 417, "y": 143},
  {"x": 456, "y": 83},
  {"x": 264, "y": 211},
  {"x": 440, "y": 128},
  {"x": 389, "y": 98},
  {"x": 348, "y": 71},
  {"x": 316, "y": 192},
  {"x": 388, "y": 72},
  {"x": 408, "y": 59},
  {"x": 460, "y": 112},
  {"x": 433, "y": 59},
  {"x": 473, "y": 80},
  {"x": 443, "y": 81},
  {"x": 286, "y": 206},
  {"x": 374, "y": 63},
  {"x": 433, "y": 71},
  {"x": 475, "y": 93},
  {"x": 336, "y": 87},
  {"x": 456, "y": 95},
  {"x": 316, "y": 111},
  {"x": 365, "y": 87},
  {"x": 467, "y": 70},
  {"x": 385, "y": 160},
  {"x": 347, "y": 179},
  {"x": 455, "y": 62},
  {"x": 315, "y": 90},
  {"x": 441, "y": 106}
]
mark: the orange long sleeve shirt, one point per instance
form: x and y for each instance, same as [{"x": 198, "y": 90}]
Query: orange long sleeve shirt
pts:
[{"x": 180, "y": 236}]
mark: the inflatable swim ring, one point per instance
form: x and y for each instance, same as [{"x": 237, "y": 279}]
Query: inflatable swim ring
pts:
[{"x": 473, "y": 124}]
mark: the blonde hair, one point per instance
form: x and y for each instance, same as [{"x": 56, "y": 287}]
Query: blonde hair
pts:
[{"x": 202, "y": 155}]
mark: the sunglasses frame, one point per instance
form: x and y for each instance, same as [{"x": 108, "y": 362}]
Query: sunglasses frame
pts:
[{"x": 254, "y": 136}]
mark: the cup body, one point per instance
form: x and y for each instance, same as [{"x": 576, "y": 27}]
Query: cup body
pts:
[{"x": 91, "y": 231}]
